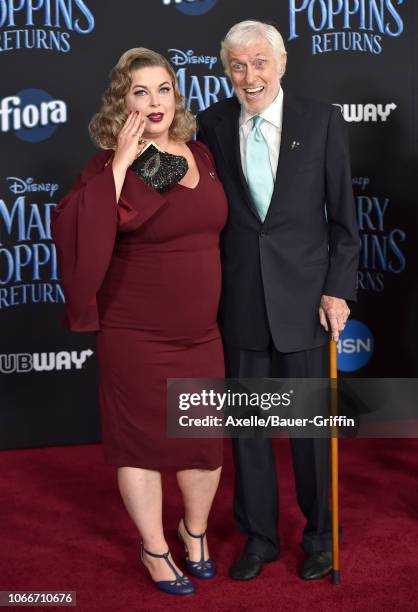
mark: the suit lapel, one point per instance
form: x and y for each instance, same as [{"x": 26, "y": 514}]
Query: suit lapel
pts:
[
  {"x": 227, "y": 133},
  {"x": 293, "y": 126},
  {"x": 292, "y": 133}
]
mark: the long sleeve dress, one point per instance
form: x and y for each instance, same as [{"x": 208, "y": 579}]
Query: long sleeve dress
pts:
[{"x": 144, "y": 273}]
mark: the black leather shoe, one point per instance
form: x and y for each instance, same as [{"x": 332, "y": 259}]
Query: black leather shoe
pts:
[
  {"x": 317, "y": 565},
  {"x": 248, "y": 566}
]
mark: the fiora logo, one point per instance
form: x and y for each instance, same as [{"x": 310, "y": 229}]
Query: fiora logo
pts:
[
  {"x": 346, "y": 25},
  {"x": 191, "y": 7},
  {"x": 21, "y": 363},
  {"x": 355, "y": 346},
  {"x": 366, "y": 112},
  {"x": 32, "y": 114}
]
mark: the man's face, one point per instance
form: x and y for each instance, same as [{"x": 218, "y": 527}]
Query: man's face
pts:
[{"x": 255, "y": 74}]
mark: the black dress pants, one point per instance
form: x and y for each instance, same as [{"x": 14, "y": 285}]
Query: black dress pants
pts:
[{"x": 256, "y": 499}]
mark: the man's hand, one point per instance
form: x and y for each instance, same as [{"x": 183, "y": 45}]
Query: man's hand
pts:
[{"x": 333, "y": 314}]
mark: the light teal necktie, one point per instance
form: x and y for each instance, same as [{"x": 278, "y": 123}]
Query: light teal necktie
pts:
[{"x": 259, "y": 174}]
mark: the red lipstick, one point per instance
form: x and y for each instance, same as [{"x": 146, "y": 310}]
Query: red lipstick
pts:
[{"x": 156, "y": 117}]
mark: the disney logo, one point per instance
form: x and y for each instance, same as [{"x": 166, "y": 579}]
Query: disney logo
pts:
[
  {"x": 23, "y": 186},
  {"x": 183, "y": 58}
]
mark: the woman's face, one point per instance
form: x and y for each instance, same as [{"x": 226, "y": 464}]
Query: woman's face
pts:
[{"x": 152, "y": 94}]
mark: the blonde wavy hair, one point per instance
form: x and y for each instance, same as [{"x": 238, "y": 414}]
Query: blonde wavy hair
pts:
[{"x": 105, "y": 125}]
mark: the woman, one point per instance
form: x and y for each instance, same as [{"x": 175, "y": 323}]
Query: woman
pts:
[{"x": 141, "y": 268}]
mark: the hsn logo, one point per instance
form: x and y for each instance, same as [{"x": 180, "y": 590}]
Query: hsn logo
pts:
[
  {"x": 192, "y": 7},
  {"x": 355, "y": 346}
]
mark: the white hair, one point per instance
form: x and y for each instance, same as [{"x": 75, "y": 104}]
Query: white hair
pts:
[{"x": 248, "y": 32}]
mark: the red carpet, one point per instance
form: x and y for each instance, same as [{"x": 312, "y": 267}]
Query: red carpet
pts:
[{"x": 63, "y": 527}]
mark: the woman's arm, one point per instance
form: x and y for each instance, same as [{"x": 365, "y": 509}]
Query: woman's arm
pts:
[{"x": 85, "y": 225}]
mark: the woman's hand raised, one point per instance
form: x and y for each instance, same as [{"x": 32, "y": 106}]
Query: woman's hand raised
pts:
[{"x": 127, "y": 148}]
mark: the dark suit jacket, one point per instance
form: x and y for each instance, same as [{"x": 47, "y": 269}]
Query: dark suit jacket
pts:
[{"x": 275, "y": 272}]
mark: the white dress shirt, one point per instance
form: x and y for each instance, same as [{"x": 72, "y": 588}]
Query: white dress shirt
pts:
[{"x": 271, "y": 129}]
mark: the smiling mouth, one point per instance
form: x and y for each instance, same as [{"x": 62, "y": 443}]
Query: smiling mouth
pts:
[
  {"x": 253, "y": 92},
  {"x": 156, "y": 117}
]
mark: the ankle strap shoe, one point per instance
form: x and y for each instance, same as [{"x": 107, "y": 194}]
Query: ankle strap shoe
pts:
[
  {"x": 181, "y": 585},
  {"x": 199, "y": 569}
]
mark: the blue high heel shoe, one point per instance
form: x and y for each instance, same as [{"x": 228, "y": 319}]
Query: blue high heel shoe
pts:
[
  {"x": 181, "y": 585},
  {"x": 199, "y": 569}
]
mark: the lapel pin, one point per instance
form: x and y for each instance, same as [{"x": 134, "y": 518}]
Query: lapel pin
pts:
[
  {"x": 212, "y": 175},
  {"x": 294, "y": 144}
]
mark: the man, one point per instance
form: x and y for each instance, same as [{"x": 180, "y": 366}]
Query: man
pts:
[{"x": 290, "y": 254}]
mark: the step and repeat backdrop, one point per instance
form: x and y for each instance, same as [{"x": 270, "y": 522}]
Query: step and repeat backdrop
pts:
[{"x": 55, "y": 57}]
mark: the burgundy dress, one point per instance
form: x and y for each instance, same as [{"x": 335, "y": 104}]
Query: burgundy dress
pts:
[{"x": 145, "y": 274}]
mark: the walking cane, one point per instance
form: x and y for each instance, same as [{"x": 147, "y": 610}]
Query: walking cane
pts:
[{"x": 335, "y": 574}]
